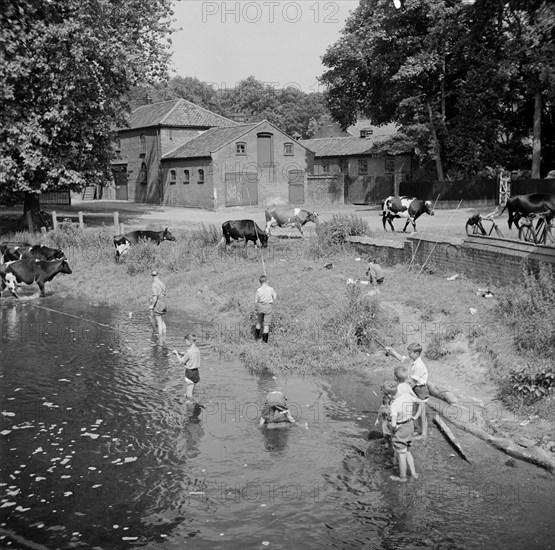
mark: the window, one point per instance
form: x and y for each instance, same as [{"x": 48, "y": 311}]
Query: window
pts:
[
  {"x": 186, "y": 176},
  {"x": 325, "y": 166},
  {"x": 201, "y": 176},
  {"x": 344, "y": 166},
  {"x": 363, "y": 167},
  {"x": 143, "y": 174},
  {"x": 389, "y": 166},
  {"x": 366, "y": 133},
  {"x": 171, "y": 135},
  {"x": 288, "y": 149},
  {"x": 143, "y": 145},
  {"x": 241, "y": 148},
  {"x": 173, "y": 177}
]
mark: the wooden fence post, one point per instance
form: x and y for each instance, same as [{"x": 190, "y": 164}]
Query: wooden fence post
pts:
[
  {"x": 121, "y": 228},
  {"x": 81, "y": 223},
  {"x": 116, "y": 222},
  {"x": 54, "y": 220},
  {"x": 43, "y": 230}
]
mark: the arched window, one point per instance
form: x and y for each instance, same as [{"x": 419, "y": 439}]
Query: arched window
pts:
[
  {"x": 173, "y": 177},
  {"x": 143, "y": 144},
  {"x": 143, "y": 174},
  {"x": 186, "y": 176},
  {"x": 201, "y": 176}
]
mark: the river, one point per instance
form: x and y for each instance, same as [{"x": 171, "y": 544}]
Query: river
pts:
[{"x": 99, "y": 450}]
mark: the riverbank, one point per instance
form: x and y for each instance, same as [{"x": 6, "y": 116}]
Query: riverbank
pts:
[{"x": 322, "y": 323}]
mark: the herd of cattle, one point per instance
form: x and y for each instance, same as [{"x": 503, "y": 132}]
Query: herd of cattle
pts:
[{"x": 23, "y": 263}]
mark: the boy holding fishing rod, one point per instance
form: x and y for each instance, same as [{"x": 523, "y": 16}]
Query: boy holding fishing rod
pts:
[
  {"x": 417, "y": 379},
  {"x": 191, "y": 360}
]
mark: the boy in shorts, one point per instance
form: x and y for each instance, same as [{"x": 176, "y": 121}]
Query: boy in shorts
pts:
[
  {"x": 402, "y": 427},
  {"x": 389, "y": 390},
  {"x": 191, "y": 360}
]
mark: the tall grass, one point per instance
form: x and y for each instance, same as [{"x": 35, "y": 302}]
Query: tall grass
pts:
[{"x": 333, "y": 233}]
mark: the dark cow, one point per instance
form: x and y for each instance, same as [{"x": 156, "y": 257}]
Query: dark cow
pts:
[
  {"x": 244, "y": 229},
  {"x": 36, "y": 252},
  {"x": 122, "y": 243},
  {"x": 521, "y": 206},
  {"x": 404, "y": 207},
  {"x": 29, "y": 272},
  {"x": 12, "y": 244},
  {"x": 295, "y": 217}
]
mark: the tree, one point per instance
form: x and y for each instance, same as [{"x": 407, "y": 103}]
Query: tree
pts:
[
  {"x": 458, "y": 76},
  {"x": 66, "y": 67}
]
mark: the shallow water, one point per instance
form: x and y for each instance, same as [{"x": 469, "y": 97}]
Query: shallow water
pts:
[{"x": 99, "y": 450}]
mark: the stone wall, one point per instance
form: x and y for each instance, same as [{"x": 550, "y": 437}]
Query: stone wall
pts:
[{"x": 490, "y": 260}]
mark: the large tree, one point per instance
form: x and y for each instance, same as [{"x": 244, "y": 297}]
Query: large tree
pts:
[
  {"x": 66, "y": 67},
  {"x": 457, "y": 77}
]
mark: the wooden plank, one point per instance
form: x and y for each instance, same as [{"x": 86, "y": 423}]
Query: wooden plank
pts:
[{"x": 449, "y": 435}]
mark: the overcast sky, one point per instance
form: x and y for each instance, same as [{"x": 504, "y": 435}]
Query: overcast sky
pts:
[{"x": 277, "y": 41}]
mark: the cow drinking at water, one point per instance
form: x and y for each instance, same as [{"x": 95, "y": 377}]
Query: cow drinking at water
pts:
[
  {"x": 295, "y": 217},
  {"x": 15, "y": 273},
  {"x": 410, "y": 208},
  {"x": 244, "y": 229},
  {"x": 521, "y": 206},
  {"x": 122, "y": 243}
]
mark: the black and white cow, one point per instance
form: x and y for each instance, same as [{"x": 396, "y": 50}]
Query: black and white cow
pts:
[
  {"x": 244, "y": 229},
  {"x": 295, "y": 217},
  {"x": 122, "y": 243},
  {"x": 11, "y": 244},
  {"x": 520, "y": 206},
  {"x": 13, "y": 274},
  {"x": 36, "y": 252},
  {"x": 404, "y": 207}
]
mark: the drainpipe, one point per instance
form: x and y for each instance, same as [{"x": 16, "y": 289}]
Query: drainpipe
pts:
[{"x": 159, "y": 175}]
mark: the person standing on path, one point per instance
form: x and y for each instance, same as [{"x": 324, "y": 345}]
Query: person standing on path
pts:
[
  {"x": 158, "y": 307},
  {"x": 264, "y": 299}
]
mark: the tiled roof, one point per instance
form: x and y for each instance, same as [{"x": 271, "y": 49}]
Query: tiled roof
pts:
[
  {"x": 177, "y": 112},
  {"x": 383, "y": 131},
  {"x": 338, "y": 146},
  {"x": 209, "y": 141}
]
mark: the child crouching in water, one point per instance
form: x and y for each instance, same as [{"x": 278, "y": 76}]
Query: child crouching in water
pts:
[
  {"x": 389, "y": 390},
  {"x": 275, "y": 410}
]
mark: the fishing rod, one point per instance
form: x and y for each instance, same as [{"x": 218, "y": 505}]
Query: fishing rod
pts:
[{"x": 257, "y": 237}]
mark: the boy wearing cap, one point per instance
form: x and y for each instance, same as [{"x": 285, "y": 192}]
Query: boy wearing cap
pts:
[{"x": 158, "y": 307}]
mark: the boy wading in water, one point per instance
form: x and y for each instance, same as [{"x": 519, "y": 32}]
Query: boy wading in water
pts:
[
  {"x": 191, "y": 360},
  {"x": 158, "y": 307},
  {"x": 418, "y": 380},
  {"x": 264, "y": 299},
  {"x": 402, "y": 426}
]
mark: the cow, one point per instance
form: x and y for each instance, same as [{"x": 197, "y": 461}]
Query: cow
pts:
[
  {"x": 18, "y": 272},
  {"x": 520, "y": 206},
  {"x": 244, "y": 229},
  {"x": 122, "y": 243},
  {"x": 12, "y": 244},
  {"x": 404, "y": 207},
  {"x": 36, "y": 252},
  {"x": 295, "y": 217}
]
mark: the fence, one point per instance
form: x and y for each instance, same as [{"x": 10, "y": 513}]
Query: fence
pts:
[
  {"x": 62, "y": 198},
  {"x": 482, "y": 189}
]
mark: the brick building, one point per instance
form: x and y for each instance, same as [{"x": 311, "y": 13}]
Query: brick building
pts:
[
  {"x": 368, "y": 177},
  {"x": 177, "y": 153}
]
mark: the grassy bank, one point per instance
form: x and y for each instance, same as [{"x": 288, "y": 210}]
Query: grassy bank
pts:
[{"x": 323, "y": 324}]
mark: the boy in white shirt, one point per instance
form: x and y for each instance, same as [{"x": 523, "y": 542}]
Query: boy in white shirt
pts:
[
  {"x": 418, "y": 379},
  {"x": 264, "y": 299}
]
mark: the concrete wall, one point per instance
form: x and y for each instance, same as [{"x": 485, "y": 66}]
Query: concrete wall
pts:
[{"x": 486, "y": 259}]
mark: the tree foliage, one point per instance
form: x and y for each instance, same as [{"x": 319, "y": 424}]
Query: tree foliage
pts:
[
  {"x": 66, "y": 67},
  {"x": 290, "y": 109},
  {"x": 460, "y": 79}
]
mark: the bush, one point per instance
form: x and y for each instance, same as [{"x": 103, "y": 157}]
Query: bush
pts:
[
  {"x": 529, "y": 309},
  {"x": 334, "y": 233},
  {"x": 436, "y": 349},
  {"x": 532, "y": 386}
]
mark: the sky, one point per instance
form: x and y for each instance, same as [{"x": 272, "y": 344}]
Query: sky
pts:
[{"x": 279, "y": 42}]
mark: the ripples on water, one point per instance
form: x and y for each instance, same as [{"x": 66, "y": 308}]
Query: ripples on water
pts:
[{"x": 99, "y": 450}]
